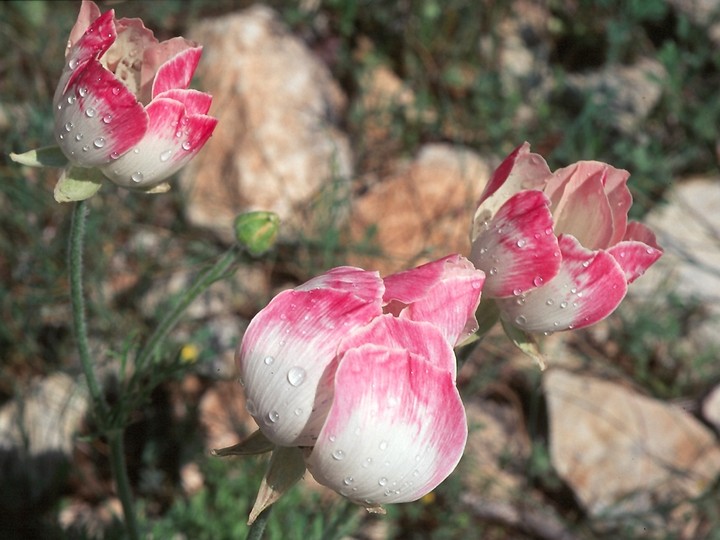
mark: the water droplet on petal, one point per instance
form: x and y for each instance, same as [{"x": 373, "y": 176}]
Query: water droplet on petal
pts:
[
  {"x": 538, "y": 281},
  {"x": 383, "y": 445},
  {"x": 296, "y": 376},
  {"x": 382, "y": 481},
  {"x": 72, "y": 64},
  {"x": 520, "y": 243},
  {"x": 186, "y": 145},
  {"x": 338, "y": 455},
  {"x": 69, "y": 126},
  {"x": 90, "y": 112},
  {"x": 268, "y": 360},
  {"x": 82, "y": 91},
  {"x": 165, "y": 155},
  {"x": 115, "y": 91},
  {"x": 86, "y": 148},
  {"x": 114, "y": 155},
  {"x": 136, "y": 150},
  {"x": 585, "y": 264},
  {"x": 493, "y": 271},
  {"x": 517, "y": 292},
  {"x": 521, "y": 320},
  {"x": 348, "y": 480},
  {"x": 79, "y": 137},
  {"x": 563, "y": 304},
  {"x": 549, "y": 302},
  {"x": 99, "y": 142},
  {"x": 61, "y": 136},
  {"x": 273, "y": 416},
  {"x": 107, "y": 118},
  {"x": 137, "y": 177},
  {"x": 298, "y": 411}
]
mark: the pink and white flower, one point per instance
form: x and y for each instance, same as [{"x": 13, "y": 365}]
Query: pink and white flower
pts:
[
  {"x": 123, "y": 104},
  {"x": 557, "y": 248},
  {"x": 360, "y": 372}
]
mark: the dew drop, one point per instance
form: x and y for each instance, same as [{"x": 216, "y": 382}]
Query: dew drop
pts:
[
  {"x": 71, "y": 100},
  {"x": 82, "y": 91},
  {"x": 517, "y": 292},
  {"x": 114, "y": 155},
  {"x": 296, "y": 376},
  {"x": 548, "y": 231},
  {"x": 165, "y": 155},
  {"x": 382, "y": 481},
  {"x": 62, "y": 136},
  {"x": 86, "y": 148},
  {"x": 99, "y": 142},
  {"x": 520, "y": 243},
  {"x": 186, "y": 145},
  {"x": 69, "y": 126},
  {"x": 538, "y": 281},
  {"x": 348, "y": 480},
  {"x": 79, "y": 137},
  {"x": 136, "y": 150},
  {"x": 585, "y": 264},
  {"x": 115, "y": 91},
  {"x": 338, "y": 455},
  {"x": 563, "y": 304},
  {"x": 90, "y": 112},
  {"x": 549, "y": 302},
  {"x": 137, "y": 177},
  {"x": 556, "y": 323},
  {"x": 573, "y": 290},
  {"x": 107, "y": 118},
  {"x": 298, "y": 411},
  {"x": 268, "y": 360},
  {"x": 367, "y": 463},
  {"x": 521, "y": 320},
  {"x": 383, "y": 445},
  {"x": 72, "y": 64},
  {"x": 493, "y": 271},
  {"x": 273, "y": 416}
]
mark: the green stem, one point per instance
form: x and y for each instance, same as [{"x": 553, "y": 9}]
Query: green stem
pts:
[
  {"x": 218, "y": 271},
  {"x": 77, "y": 236},
  {"x": 122, "y": 482},
  {"x": 100, "y": 406},
  {"x": 258, "y": 527}
]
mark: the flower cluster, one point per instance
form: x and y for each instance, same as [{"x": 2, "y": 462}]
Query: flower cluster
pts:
[{"x": 122, "y": 104}]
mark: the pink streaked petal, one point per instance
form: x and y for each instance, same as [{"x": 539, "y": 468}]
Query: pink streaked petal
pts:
[
  {"x": 588, "y": 287},
  {"x": 634, "y": 258},
  {"x": 445, "y": 293},
  {"x": 620, "y": 200},
  {"x": 287, "y": 360},
  {"x": 171, "y": 140},
  {"x": 580, "y": 206},
  {"x": 195, "y": 101},
  {"x": 517, "y": 249},
  {"x": 97, "y": 118},
  {"x": 396, "y": 428},
  {"x": 98, "y": 37},
  {"x": 418, "y": 338},
  {"x": 179, "y": 64},
  {"x": 521, "y": 170},
  {"x": 363, "y": 284},
  {"x": 640, "y": 233},
  {"x": 89, "y": 12}
]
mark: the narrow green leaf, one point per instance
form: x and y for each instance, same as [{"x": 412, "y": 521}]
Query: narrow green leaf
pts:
[
  {"x": 48, "y": 156},
  {"x": 78, "y": 184},
  {"x": 255, "y": 444}
]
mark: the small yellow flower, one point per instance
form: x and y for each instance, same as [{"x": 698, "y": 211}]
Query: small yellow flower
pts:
[{"x": 189, "y": 353}]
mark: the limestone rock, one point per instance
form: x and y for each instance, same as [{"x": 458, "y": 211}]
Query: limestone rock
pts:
[
  {"x": 711, "y": 408},
  {"x": 625, "y": 454},
  {"x": 688, "y": 228},
  {"x": 276, "y": 144},
  {"x": 423, "y": 211}
]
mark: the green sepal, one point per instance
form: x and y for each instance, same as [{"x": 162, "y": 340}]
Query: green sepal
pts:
[
  {"x": 255, "y": 444},
  {"x": 257, "y": 231},
  {"x": 525, "y": 342},
  {"x": 47, "y": 156},
  {"x": 78, "y": 184},
  {"x": 286, "y": 468},
  {"x": 487, "y": 315}
]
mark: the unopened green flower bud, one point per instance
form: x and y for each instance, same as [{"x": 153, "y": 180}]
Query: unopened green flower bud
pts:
[{"x": 257, "y": 231}]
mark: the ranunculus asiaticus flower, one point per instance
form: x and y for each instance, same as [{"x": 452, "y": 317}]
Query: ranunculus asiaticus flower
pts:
[
  {"x": 557, "y": 248},
  {"x": 123, "y": 104},
  {"x": 360, "y": 372}
]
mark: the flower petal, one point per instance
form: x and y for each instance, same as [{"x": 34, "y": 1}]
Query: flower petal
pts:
[
  {"x": 637, "y": 252},
  {"x": 195, "y": 101},
  {"x": 521, "y": 170},
  {"x": 97, "y": 39},
  {"x": 176, "y": 72},
  {"x": 396, "y": 428},
  {"x": 620, "y": 200},
  {"x": 172, "y": 139},
  {"x": 287, "y": 356},
  {"x": 588, "y": 287},
  {"x": 88, "y": 13},
  {"x": 97, "y": 118},
  {"x": 517, "y": 249},
  {"x": 445, "y": 293},
  {"x": 580, "y": 206}
]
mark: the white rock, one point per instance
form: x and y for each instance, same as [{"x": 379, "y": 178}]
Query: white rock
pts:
[
  {"x": 623, "y": 453},
  {"x": 276, "y": 144},
  {"x": 711, "y": 408}
]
